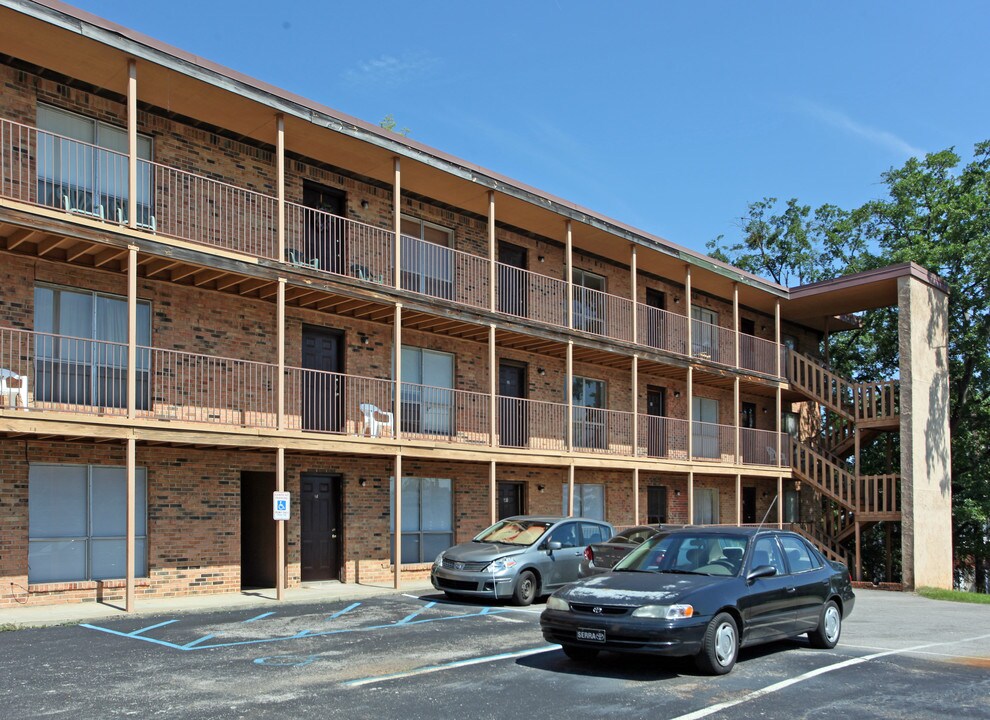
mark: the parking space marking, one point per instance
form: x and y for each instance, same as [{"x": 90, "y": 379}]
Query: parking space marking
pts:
[
  {"x": 344, "y": 611},
  {"x": 450, "y": 666},
  {"x": 260, "y": 617},
  {"x": 150, "y": 627},
  {"x": 412, "y": 616},
  {"x": 783, "y": 684}
]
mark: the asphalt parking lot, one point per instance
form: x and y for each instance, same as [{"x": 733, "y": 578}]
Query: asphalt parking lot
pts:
[{"x": 420, "y": 656}]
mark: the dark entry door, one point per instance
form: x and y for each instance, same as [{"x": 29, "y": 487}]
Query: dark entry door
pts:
[
  {"x": 323, "y": 387},
  {"x": 656, "y": 323},
  {"x": 656, "y": 430},
  {"x": 324, "y": 230},
  {"x": 257, "y": 530},
  {"x": 321, "y": 526},
  {"x": 513, "y": 284},
  {"x": 656, "y": 504},
  {"x": 510, "y": 499},
  {"x": 747, "y": 347},
  {"x": 513, "y": 424},
  {"x": 749, "y": 505},
  {"x": 747, "y": 419}
]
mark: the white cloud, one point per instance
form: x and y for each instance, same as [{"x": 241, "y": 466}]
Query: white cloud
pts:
[
  {"x": 391, "y": 70},
  {"x": 841, "y": 121}
]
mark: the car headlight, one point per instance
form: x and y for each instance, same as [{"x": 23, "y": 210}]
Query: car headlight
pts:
[
  {"x": 500, "y": 565},
  {"x": 439, "y": 561},
  {"x": 556, "y": 603},
  {"x": 664, "y": 612}
]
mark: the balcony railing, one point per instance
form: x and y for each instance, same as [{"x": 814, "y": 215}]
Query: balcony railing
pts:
[
  {"x": 46, "y": 169},
  {"x": 663, "y": 437},
  {"x": 444, "y": 414},
  {"x": 607, "y": 432},
  {"x": 760, "y": 447},
  {"x": 531, "y": 424}
]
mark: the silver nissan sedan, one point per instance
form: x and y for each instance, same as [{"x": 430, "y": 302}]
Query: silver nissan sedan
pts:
[{"x": 519, "y": 558}]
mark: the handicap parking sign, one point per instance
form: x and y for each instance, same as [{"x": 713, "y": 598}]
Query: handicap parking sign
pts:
[{"x": 281, "y": 505}]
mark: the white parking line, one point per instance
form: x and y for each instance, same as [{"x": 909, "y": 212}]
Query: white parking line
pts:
[
  {"x": 451, "y": 665},
  {"x": 768, "y": 690}
]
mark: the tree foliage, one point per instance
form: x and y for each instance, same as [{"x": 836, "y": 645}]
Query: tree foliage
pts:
[{"x": 935, "y": 212}]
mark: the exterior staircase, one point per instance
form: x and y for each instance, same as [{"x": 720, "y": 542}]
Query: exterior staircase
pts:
[{"x": 852, "y": 415}]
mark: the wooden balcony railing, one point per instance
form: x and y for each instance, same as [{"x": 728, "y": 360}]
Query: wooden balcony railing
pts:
[{"x": 46, "y": 169}]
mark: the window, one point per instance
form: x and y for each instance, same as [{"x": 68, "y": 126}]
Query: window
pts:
[
  {"x": 790, "y": 422},
  {"x": 789, "y": 341},
  {"x": 705, "y": 506},
  {"x": 799, "y": 556},
  {"x": 589, "y": 301},
  {"x": 81, "y": 353},
  {"x": 589, "y": 413},
  {"x": 792, "y": 506},
  {"x": 704, "y": 427},
  {"x": 592, "y": 533},
  {"x": 427, "y": 391},
  {"x": 83, "y": 166},
  {"x": 589, "y": 501},
  {"x": 77, "y": 523},
  {"x": 767, "y": 552},
  {"x": 427, "y": 260},
  {"x": 704, "y": 332},
  {"x": 427, "y": 517}
]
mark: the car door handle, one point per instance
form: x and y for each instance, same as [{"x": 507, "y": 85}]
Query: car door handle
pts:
[{"x": 790, "y": 590}]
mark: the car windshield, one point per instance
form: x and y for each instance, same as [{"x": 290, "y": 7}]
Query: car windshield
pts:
[
  {"x": 514, "y": 532},
  {"x": 702, "y": 553}
]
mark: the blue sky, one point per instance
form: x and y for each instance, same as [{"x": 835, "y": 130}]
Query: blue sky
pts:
[{"x": 669, "y": 117}]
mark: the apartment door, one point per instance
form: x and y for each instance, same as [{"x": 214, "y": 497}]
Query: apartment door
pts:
[
  {"x": 324, "y": 231},
  {"x": 513, "y": 283},
  {"x": 258, "y": 563},
  {"x": 747, "y": 348},
  {"x": 510, "y": 499},
  {"x": 749, "y": 441},
  {"x": 322, "y": 385},
  {"x": 320, "y": 526},
  {"x": 656, "y": 322},
  {"x": 656, "y": 426},
  {"x": 749, "y": 505},
  {"x": 513, "y": 425},
  {"x": 656, "y": 504}
]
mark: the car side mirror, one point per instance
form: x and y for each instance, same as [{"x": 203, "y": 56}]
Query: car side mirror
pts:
[
  {"x": 761, "y": 571},
  {"x": 554, "y": 545}
]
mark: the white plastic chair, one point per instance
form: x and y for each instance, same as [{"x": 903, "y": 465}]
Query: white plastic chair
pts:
[
  {"x": 376, "y": 421},
  {"x": 14, "y": 387}
]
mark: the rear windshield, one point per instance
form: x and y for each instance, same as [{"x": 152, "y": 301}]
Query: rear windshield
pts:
[
  {"x": 514, "y": 532},
  {"x": 695, "y": 554}
]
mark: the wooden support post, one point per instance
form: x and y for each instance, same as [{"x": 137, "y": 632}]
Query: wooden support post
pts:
[
  {"x": 856, "y": 470},
  {"x": 397, "y": 224},
  {"x": 397, "y": 395},
  {"x": 738, "y": 499},
  {"x": 779, "y": 426},
  {"x": 280, "y": 182},
  {"x": 635, "y": 490},
  {"x": 570, "y": 490},
  {"x": 633, "y": 292},
  {"x": 132, "y": 148},
  {"x": 492, "y": 388},
  {"x": 397, "y": 519},
  {"x": 492, "y": 254},
  {"x": 859, "y": 556},
  {"x": 492, "y": 493},
  {"x": 690, "y": 498},
  {"x": 776, "y": 334},
  {"x": 688, "y": 310},
  {"x": 735, "y": 319},
  {"x": 280, "y": 377},
  {"x": 737, "y": 408},
  {"x": 569, "y": 270},
  {"x": 280, "y": 527},
  {"x": 780, "y": 501},
  {"x": 690, "y": 414},
  {"x": 635, "y": 405},
  {"x": 130, "y": 553},
  {"x": 570, "y": 395},
  {"x": 132, "y": 262}
]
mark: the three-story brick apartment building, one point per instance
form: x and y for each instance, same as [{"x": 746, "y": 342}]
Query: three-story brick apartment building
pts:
[{"x": 211, "y": 289}]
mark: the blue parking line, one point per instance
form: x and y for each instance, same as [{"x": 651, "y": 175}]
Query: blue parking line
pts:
[
  {"x": 131, "y": 636},
  {"x": 194, "y": 643},
  {"x": 259, "y": 617},
  {"x": 344, "y": 611},
  {"x": 407, "y": 618},
  {"x": 151, "y": 627}
]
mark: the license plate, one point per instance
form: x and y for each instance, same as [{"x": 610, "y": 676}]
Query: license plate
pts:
[{"x": 591, "y": 635}]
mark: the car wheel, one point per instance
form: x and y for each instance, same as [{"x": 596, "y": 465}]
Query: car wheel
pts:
[
  {"x": 580, "y": 654},
  {"x": 526, "y": 589},
  {"x": 719, "y": 647},
  {"x": 826, "y": 636}
]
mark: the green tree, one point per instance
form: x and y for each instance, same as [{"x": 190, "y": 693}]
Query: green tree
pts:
[
  {"x": 934, "y": 213},
  {"x": 388, "y": 122}
]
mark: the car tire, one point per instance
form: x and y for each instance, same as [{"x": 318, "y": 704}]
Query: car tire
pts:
[
  {"x": 826, "y": 636},
  {"x": 580, "y": 654},
  {"x": 719, "y": 646},
  {"x": 527, "y": 588}
]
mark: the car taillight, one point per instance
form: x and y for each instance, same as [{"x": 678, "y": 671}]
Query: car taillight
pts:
[{"x": 589, "y": 554}]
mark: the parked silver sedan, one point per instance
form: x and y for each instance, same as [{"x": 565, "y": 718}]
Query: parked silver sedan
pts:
[{"x": 602, "y": 557}]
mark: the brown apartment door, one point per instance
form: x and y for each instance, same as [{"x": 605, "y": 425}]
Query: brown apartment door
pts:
[
  {"x": 656, "y": 324},
  {"x": 321, "y": 526},
  {"x": 513, "y": 284},
  {"x": 747, "y": 346},
  {"x": 257, "y": 530},
  {"x": 749, "y": 505},
  {"x": 656, "y": 430},
  {"x": 322, "y": 386},
  {"x": 656, "y": 504},
  {"x": 513, "y": 425},
  {"x": 510, "y": 499},
  {"x": 747, "y": 419},
  {"x": 324, "y": 230}
]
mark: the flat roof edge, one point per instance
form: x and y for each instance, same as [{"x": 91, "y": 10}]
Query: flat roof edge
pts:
[{"x": 889, "y": 272}]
